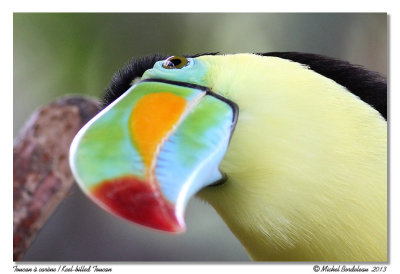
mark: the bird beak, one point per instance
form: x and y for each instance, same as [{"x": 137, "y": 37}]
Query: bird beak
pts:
[{"x": 147, "y": 153}]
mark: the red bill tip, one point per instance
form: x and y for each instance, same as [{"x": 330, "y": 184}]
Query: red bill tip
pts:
[{"x": 136, "y": 201}]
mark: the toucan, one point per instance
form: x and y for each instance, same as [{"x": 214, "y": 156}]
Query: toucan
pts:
[{"x": 289, "y": 148}]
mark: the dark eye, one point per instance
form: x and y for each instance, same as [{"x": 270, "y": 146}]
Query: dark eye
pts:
[{"x": 175, "y": 62}]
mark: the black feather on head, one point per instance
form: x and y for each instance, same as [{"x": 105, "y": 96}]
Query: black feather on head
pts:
[{"x": 123, "y": 78}]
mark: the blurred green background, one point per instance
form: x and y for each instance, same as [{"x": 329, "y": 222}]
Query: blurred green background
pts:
[{"x": 59, "y": 54}]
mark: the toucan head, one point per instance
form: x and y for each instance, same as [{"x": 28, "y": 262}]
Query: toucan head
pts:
[
  {"x": 233, "y": 126},
  {"x": 276, "y": 147},
  {"x": 147, "y": 153}
]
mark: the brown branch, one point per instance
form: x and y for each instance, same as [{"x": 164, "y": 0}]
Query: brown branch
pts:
[{"x": 42, "y": 177}]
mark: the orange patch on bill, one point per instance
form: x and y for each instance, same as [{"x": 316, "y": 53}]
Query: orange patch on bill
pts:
[{"x": 153, "y": 117}]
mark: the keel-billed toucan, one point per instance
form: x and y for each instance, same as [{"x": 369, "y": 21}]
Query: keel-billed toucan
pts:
[{"x": 289, "y": 148}]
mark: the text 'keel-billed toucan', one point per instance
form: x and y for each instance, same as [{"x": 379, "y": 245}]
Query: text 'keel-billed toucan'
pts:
[{"x": 289, "y": 148}]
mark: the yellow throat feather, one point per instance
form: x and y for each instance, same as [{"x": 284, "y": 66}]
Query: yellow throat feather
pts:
[{"x": 307, "y": 164}]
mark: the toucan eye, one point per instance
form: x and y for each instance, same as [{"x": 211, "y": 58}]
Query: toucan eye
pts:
[{"x": 175, "y": 62}]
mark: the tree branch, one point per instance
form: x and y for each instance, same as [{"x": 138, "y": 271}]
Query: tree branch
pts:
[{"x": 42, "y": 177}]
